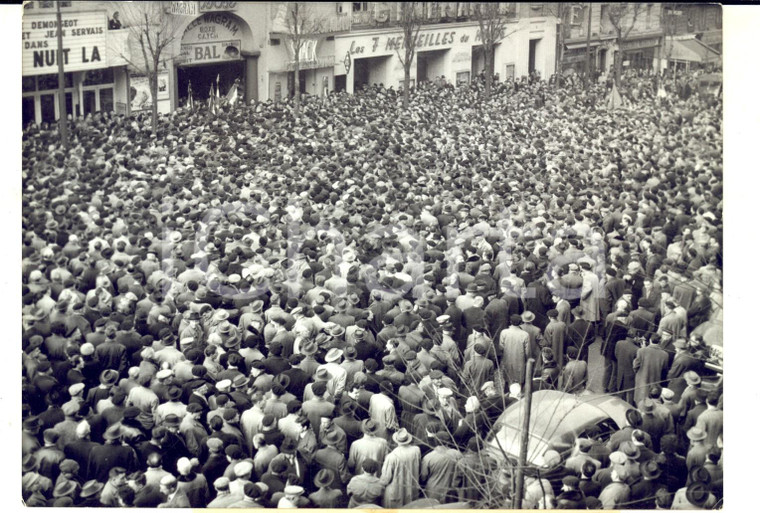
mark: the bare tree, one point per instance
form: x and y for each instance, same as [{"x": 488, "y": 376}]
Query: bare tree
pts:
[
  {"x": 410, "y": 20},
  {"x": 493, "y": 25},
  {"x": 623, "y": 18},
  {"x": 563, "y": 12},
  {"x": 302, "y": 25},
  {"x": 152, "y": 31},
  {"x": 668, "y": 21}
]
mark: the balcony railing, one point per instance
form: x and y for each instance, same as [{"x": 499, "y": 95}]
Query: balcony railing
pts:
[{"x": 380, "y": 14}]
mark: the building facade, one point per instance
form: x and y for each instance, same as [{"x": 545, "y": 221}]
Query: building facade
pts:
[
  {"x": 95, "y": 75},
  {"x": 639, "y": 47},
  {"x": 213, "y": 45}
]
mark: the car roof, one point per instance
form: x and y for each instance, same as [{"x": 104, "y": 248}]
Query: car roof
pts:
[{"x": 554, "y": 416}]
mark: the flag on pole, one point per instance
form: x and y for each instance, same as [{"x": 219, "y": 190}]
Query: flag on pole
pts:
[
  {"x": 190, "y": 102},
  {"x": 218, "y": 93},
  {"x": 232, "y": 94},
  {"x": 614, "y": 101},
  {"x": 212, "y": 100}
]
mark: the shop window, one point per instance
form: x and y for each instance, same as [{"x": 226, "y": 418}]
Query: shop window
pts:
[
  {"x": 69, "y": 104},
  {"x": 28, "y": 84},
  {"x": 46, "y": 4},
  {"x": 89, "y": 105},
  {"x": 27, "y": 110},
  {"x": 509, "y": 72},
  {"x": 47, "y": 82},
  {"x": 47, "y": 108},
  {"x": 274, "y": 42},
  {"x": 106, "y": 100},
  {"x": 98, "y": 77}
]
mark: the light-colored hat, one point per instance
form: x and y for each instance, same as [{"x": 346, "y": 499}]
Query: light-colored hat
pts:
[
  {"x": 333, "y": 354},
  {"x": 696, "y": 434},
  {"x": 402, "y": 437},
  {"x": 184, "y": 466},
  {"x": 471, "y": 404},
  {"x": 76, "y": 389},
  {"x": 293, "y": 490},
  {"x": 243, "y": 468}
]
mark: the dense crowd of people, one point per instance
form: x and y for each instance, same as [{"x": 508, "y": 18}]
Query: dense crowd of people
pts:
[{"x": 259, "y": 310}]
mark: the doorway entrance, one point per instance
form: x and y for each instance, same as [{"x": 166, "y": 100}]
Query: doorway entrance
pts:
[
  {"x": 340, "y": 83},
  {"x": 532, "y": 48},
  {"x": 369, "y": 71},
  {"x": 203, "y": 76}
]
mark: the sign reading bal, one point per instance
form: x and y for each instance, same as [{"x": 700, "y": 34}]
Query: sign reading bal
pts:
[{"x": 212, "y": 37}]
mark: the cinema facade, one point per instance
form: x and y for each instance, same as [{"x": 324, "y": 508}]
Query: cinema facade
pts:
[{"x": 217, "y": 43}]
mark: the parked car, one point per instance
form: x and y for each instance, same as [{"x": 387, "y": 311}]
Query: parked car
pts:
[{"x": 556, "y": 420}]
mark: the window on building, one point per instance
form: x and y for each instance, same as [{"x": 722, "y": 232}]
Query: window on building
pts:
[
  {"x": 509, "y": 72},
  {"x": 106, "y": 100},
  {"x": 27, "y": 110},
  {"x": 47, "y": 108},
  {"x": 508, "y": 9},
  {"x": 577, "y": 15},
  {"x": 48, "y": 4},
  {"x": 360, "y": 6},
  {"x": 604, "y": 17},
  {"x": 98, "y": 77},
  {"x": 28, "y": 84},
  {"x": 649, "y": 16},
  {"x": 463, "y": 78},
  {"x": 339, "y": 7}
]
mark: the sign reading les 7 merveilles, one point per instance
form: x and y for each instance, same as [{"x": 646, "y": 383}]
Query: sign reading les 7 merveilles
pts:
[{"x": 84, "y": 42}]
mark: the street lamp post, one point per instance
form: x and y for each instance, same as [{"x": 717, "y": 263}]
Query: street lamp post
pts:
[{"x": 63, "y": 127}]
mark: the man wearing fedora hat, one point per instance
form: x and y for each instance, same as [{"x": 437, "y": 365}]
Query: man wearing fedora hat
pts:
[
  {"x": 438, "y": 469},
  {"x": 89, "y": 497},
  {"x": 370, "y": 446},
  {"x": 102, "y": 458},
  {"x": 515, "y": 351},
  {"x": 401, "y": 467},
  {"x": 534, "y": 332},
  {"x": 338, "y": 375},
  {"x": 696, "y": 496},
  {"x": 329, "y": 457},
  {"x": 698, "y": 449},
  {"x": 326, "y": 496}
]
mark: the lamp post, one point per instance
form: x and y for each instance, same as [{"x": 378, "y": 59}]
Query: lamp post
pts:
[{"x": 63, "y": 127}]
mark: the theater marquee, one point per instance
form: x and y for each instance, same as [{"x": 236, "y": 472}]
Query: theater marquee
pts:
[{"x": 84, "y": 42}]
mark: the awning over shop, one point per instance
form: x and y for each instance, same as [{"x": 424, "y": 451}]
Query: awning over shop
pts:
[{"x": 690, "y": 50}]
